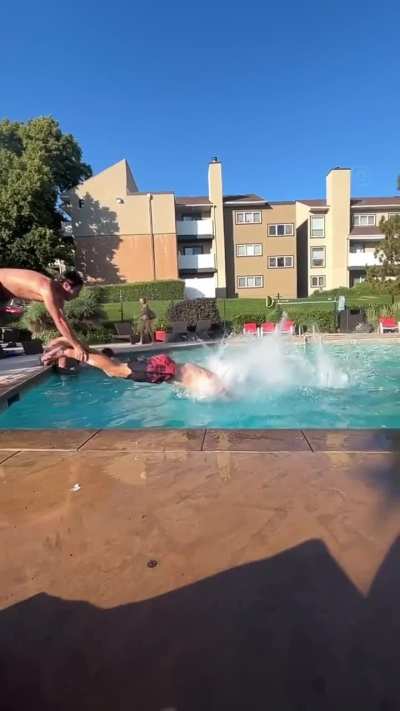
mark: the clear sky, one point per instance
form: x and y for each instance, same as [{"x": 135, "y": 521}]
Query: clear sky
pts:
[{"x": 280, "y": 91}]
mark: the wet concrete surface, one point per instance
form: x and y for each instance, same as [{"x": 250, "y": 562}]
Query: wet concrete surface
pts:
[{"x": 274, "y": 580}]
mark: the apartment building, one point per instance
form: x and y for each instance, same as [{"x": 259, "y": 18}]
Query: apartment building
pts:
[
  {"x": 234, "y": 245},
  {"x": 124, "y": 235},
  {"x": 261, "y": 247},
  {"x": 337, "y": 237}
]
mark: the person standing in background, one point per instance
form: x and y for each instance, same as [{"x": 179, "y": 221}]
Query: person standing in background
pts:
[{"x": 146, "y": 316}]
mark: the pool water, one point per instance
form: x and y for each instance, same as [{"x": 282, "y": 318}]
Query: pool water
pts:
[{"x": 274, "y": 384}]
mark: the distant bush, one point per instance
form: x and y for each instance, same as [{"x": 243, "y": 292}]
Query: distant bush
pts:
[
  {"x": 192, "y": 310},
  {"x": 86, "y": 306},
  {"x": 304, "y": 318},
  {"x": 37, "y": 319},
  {"x": 169, "y": 289}
]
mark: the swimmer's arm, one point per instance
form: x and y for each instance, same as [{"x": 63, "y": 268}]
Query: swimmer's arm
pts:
[{"x": 113, "y": 368}]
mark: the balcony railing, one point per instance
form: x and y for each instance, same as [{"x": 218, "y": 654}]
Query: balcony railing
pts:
[
  {"x": 196, "y": 261},
  {"x": 363, "y": 259},
  {"x": 195, "y": 228}
]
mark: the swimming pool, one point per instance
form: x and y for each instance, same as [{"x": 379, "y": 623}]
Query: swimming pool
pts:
[{"x": 274, "y": 384}]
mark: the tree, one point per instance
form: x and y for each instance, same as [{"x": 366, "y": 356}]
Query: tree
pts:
[
  {"x": 388, "y": 251},
  {"x": 37, "y": 163}
]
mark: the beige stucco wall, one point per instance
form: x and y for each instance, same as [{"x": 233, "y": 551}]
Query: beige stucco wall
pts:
[
  {"x": 103, "y": 215},
  {"x": 121, "y": 236},
  {"x": 282, "y": 281},
  {"x": 337, "y": 226},
  {"x": 126, "y": 258},
  {"x": 215, "y": 193}
]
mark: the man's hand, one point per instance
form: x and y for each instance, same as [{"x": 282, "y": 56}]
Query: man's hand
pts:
[{"x": 81, "y": 351}]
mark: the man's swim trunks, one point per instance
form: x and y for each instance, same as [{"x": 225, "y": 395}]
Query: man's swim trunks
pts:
[{"x": 155, "y": 369}]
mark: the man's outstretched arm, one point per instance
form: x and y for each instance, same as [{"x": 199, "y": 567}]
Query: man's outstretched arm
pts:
[
  {"x": 57, "y": 314},
  {"x": 113, "y": 368}
]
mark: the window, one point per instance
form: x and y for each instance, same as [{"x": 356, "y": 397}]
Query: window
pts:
[
  {"x": 317, "y": 256},
  {"x": 247, "y": 217},
  {"x": 81, "y": 202},
  {"x": 280, "y": 230},
  {"x": 249, "y": 250},
  {"x": 363, "y": 220},
  {"x": 357, "y": 247},
  {"x": 198, "y": 249},
  {"x": 250, "y": 282},
  {"x": 318, "y": 282},
  {"x": 280, "y": 262},
  {"x": 191, "y": 216},
  {"x": 317, "y": 226}
]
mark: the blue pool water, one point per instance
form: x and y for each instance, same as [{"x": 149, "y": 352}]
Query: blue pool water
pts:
[{"x": 274, "y": 383}]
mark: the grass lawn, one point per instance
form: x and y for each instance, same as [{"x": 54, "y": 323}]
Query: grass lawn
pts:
[{"x": 228, "y": 308}]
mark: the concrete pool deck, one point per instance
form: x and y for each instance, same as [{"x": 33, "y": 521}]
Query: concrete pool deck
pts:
[{"x": 199, "y": 570}]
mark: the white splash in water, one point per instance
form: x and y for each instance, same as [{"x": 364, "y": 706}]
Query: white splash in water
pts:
[{"x": 274, "y": 361}]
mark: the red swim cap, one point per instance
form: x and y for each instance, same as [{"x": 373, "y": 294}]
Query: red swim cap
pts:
[{"x": 159, "y": 368}]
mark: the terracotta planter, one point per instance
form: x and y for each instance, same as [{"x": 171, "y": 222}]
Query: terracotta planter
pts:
[{"x": 161, "y": 336}]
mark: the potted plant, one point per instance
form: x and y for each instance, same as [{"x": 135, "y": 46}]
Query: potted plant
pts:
[{"x": 161, "y": 332}]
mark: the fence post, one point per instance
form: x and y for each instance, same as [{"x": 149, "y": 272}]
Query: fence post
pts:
[{"x": 121, "y": 306}]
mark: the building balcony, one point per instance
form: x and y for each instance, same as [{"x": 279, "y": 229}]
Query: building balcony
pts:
[
  {"x": 202, "y": 229},
  {"x": 359, "y": 260},
  {"x": 196, "y": 262}
]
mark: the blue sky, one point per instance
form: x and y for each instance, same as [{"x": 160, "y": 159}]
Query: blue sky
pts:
[{"x": 280, "y": 92}]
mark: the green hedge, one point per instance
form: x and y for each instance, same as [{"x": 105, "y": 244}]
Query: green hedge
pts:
[
  {"x": 171, "y": 289},
  {"x": 324, "y": 320}
]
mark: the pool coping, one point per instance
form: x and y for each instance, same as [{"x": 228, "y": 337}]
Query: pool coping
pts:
[{"x": 203, "y": 440}]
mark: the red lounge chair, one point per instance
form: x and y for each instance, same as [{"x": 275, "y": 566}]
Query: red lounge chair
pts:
[
  {"x": 388, "y": 323},
  {"x": 250, "y": 329},
  {"x": 267, "y": 327},
  {"x": 288, "y": 327}
]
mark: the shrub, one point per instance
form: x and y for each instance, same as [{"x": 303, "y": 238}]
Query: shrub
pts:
[
  {"x": 86, "y": 306},
  {"x": 325, "y": 321},
  {"x": 37, "y": 319},
  {"x": 306, "y": 318},
  {"x": 194, "y": 309},
  {"x": 169, "y": 289}
]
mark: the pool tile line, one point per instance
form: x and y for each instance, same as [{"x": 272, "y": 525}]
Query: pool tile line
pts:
[
  {"x": 199, "y": 440},
  {"x": 88, "y": 439},
  {"x": 203, "y": 440},
  {"x": 307, "y": 440},
  {"x": 10, "y": 456}
]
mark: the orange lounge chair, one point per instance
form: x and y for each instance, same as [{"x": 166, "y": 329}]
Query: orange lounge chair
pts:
[
  {"x": 388, "y": 323},
  {"x": 288, "y": 327},
  {"x": 250, "y": 329},
  {"x": 267, "y": 328}
]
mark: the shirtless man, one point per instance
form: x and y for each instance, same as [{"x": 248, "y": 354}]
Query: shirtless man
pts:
[
  {"x": 30, "y": 285},
  {"x": 156, "y": 369}
]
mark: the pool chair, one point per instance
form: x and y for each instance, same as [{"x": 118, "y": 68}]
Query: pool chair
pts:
[
  {"x": 204, "y": 329},
  {"x": 267, "y": 328},
  {"x": 179, "y": 331},
  {"x": 250, "y": 329},
  {"x": 388, "y": 323},
  {"x": 124, "y": 331},
  {"x": 287, "y": 327},
  {"x": 33, "y": 347}
]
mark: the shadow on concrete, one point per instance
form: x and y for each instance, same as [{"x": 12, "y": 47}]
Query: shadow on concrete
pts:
[
  {"x": 286, "y": 633},
  {"x": 96, "y": 249}
]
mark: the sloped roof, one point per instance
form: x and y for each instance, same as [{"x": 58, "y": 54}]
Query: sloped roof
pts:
[
  {"x": 244, "y": 199},
  {"x": 368, "y": 230},
  {"x": 379, "y": 201},
  {"x": 192, "y": 200}
]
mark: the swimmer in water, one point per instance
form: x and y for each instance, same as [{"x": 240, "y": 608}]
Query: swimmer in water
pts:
[{"x": 155, "y": 369}]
